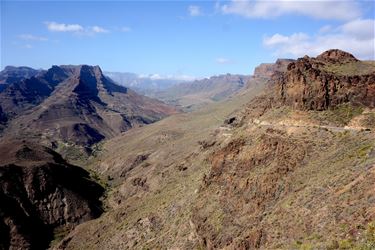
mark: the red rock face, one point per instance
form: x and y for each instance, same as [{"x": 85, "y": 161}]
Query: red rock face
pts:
[{"x": 308, "y": 85}]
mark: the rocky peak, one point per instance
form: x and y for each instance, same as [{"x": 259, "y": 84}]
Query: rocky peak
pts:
[
  {"x": 56, "y": 75},
  {"x": 336, "y": 55},
  {"x": 87, "y": 87}
]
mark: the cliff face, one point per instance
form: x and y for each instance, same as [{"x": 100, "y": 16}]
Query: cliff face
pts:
[
  {"x": 39, "y": 192},
  {"x": 332, "y": 78}
]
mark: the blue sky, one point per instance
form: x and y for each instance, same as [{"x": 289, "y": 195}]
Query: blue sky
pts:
[{"x": 180, "y": 38}]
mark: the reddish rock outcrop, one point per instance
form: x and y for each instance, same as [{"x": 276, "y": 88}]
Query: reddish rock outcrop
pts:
[
  {"x": 336, "y": 56},
  {"x": 318, "y": 84}
]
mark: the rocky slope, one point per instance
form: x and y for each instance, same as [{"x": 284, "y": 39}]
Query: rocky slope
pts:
[
  {"x": 76, "y": 105},
  {"x": 39, "y": 193}
]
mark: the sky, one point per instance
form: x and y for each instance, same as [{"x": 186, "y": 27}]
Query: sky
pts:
[{"x": 181, "y": 39}]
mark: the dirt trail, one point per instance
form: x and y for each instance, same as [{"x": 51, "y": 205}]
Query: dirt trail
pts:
[{"x": 283, "y": 125}]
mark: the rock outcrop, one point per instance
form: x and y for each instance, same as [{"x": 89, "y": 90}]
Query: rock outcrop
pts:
[
  {"x": 40, "y": 191},
  {"x": 325, "y": 82},
  {"x": 337, "y": 56}
]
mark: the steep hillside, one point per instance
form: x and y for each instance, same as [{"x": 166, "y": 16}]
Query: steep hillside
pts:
[
  {"x": 75, "y": 105},
  {"x": 293, "y": 176},
  {"x": 41, "y": 195},
  {"x": 192, "y": 95},
  {"x": 273, "y": 175}
]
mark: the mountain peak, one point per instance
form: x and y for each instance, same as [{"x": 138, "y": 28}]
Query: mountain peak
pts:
[{"x": 336, "y": 55}]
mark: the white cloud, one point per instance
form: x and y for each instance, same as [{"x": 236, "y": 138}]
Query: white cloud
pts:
[
  {"x": 126, "y": 29},
  {"x": 356, "y": 37},
  {"x": 29, "y": 37},
  {"x": 97, "y": 29},
  {"x": 222, "y": 60},
  {"x": 280, "y": 39},
  {"x": 62, "y": 27},
  {"x": 360, "y": 28},
  {"x": 194, "y": 10},
  {"x": 333, "y": 9},
  {"x": 75, "y": 28}
]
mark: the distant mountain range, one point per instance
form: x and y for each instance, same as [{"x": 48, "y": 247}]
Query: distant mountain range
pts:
[
  {"x": 12, "y": 74},
  {"x": 75, "y": 104},
  {"x": 188, "y": 95},
  {"x": 195, "y": 94}
]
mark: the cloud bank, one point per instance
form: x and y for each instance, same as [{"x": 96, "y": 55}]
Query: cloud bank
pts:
[{"x": 356, "y": 36}]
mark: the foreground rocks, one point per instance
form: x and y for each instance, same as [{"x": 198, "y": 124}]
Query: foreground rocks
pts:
[{"x": 40, "y": 192}]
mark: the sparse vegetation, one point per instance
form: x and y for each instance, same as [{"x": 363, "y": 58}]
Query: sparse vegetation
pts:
[
  {"x": 351, "y": 68},
  {"x": 338, "y": 116}
]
